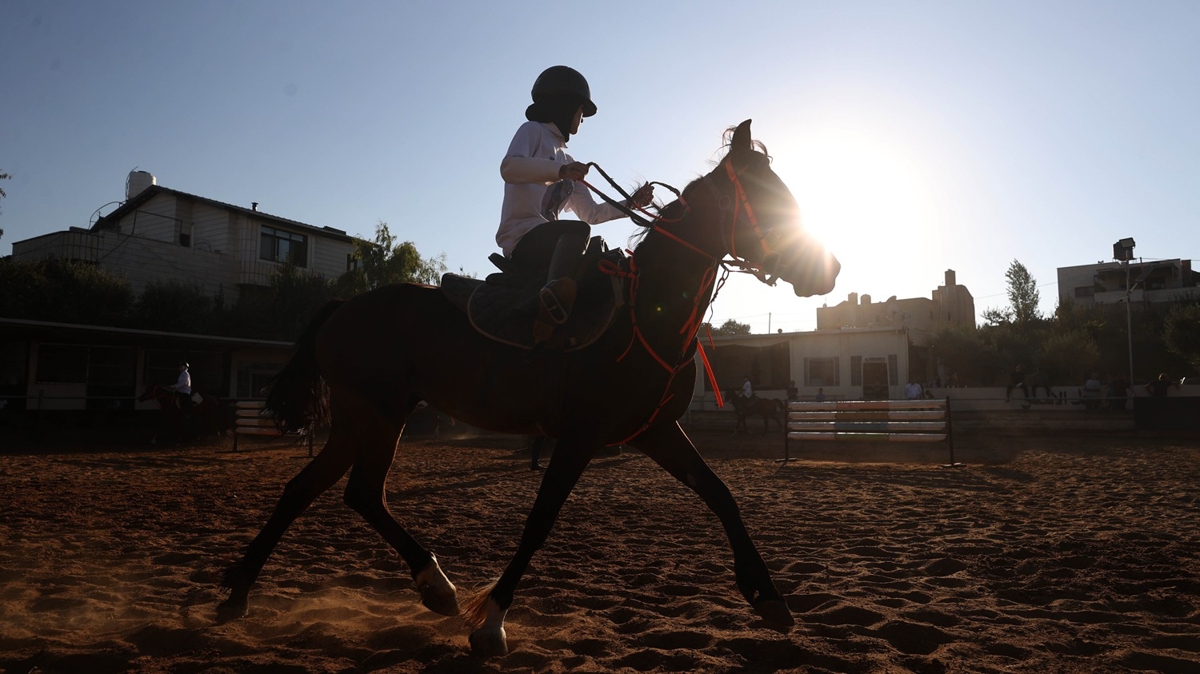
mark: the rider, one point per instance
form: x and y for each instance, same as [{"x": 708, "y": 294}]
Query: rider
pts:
[
  {"x": 539, "y": 183},
  {"x": 183, "y": 388},
  {"x": 747, "y": 388}
]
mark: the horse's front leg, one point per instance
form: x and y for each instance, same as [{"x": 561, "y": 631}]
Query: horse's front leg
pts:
[
  {"x": 670, "y": 447},
  {"x": 487, "y": 610}
]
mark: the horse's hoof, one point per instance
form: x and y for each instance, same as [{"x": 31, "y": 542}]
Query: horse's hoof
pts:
[
  {"x": 231, "y": 609},
  {"x": 489, "y": 642},
  {"x": 776, "y": 611},
  {"x": 438, "y": 594}
]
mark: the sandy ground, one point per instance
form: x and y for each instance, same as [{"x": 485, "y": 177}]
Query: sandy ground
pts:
[{"x": 1044, "y": 555}]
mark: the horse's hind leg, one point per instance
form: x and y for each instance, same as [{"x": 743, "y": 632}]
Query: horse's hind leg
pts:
[
  {"x": 330, "y": 464},
  {"x": 365, "y": 495},
  {"x": 670, "y": 447}
]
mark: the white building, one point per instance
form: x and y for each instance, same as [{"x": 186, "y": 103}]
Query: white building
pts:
[
  {"x": 847, "y": 363},
  {"x": 161, "y": 234}
]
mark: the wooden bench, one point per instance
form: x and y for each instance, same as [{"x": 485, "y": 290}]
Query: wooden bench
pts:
[
  {"x": 250, "y": 417},
  {"x": 869, "y": 421}
]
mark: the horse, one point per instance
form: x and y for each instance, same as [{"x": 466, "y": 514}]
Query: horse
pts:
[
  {"x": 206, "y": 415},
  {"x": 363, "y": 364},
  {"x": 770, "y": 409}
]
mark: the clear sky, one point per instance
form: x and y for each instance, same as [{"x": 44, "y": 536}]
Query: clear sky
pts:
[{"x": 917, "y": 136}]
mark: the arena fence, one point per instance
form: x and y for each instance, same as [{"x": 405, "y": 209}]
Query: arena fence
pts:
[
  {"x": 250, "y": 417},
  {"x": 869, "y": 421}
]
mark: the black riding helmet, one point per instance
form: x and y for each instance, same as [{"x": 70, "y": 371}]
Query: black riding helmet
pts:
[{"x": 564, "y": 82}]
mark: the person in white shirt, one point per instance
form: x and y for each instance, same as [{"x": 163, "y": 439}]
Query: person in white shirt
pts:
[
  {"x": 539, "y": 183},
  {"x": 747, "y": 388},
  {"x": 183, "y": 387}
]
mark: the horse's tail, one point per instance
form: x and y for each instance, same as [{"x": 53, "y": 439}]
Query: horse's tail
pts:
[{"x": 297, "y": 397}]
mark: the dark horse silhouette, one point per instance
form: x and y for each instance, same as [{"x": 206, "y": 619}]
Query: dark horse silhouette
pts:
[
  {"x": 770, "y": 409},
  {"x": 206, "y": 416},
  {"x": 368, "y": 361}
]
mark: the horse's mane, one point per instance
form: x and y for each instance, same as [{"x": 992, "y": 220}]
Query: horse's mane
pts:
[{"x": 675, "y": 209}]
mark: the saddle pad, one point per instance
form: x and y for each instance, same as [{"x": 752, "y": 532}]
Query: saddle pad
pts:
[{"x": 506, "y": 314}]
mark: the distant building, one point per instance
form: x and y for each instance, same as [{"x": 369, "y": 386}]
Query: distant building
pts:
[
  {"x": 160, "y": 234},
  {"x": 951, "y": 304},
  {"x": 1104, "y": 282}
]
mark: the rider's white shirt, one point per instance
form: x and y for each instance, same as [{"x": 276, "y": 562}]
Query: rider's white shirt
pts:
[
  {"x": 747, "y": 389},
  {"x": 184, "y": 385},
  {"x": 531, "y": 164}
]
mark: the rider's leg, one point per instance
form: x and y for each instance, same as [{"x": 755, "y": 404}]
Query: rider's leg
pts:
[{"x": 558, "y": 296}]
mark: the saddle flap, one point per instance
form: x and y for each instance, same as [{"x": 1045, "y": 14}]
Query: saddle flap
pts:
[{"x": 505, "y": 310}]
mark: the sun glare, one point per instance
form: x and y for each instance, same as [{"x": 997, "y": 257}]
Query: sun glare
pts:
[{"x": 862, "y": 196}]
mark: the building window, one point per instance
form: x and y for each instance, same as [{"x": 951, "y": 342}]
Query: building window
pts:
[
  {"x": 351, "y": 262},
  {"x": 856, "y": 370},
  {"x": 62, "y": 364},
  {"x": 893, "y": 370},
  {"x": 1085, "y": 291},
  {"x": 252, "y": 378},
  {"x": 278, "y": 245},
  {"x": 821, "y": 372},
  {"x": 183, "y": 234}
]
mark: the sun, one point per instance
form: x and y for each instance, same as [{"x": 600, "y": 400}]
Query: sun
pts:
[{"x": 860, "y": 194}]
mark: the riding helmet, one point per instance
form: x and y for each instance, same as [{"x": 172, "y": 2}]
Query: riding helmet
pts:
[
  {"x": 183, "y": 363},
  {"x": 564, "y": 81}
]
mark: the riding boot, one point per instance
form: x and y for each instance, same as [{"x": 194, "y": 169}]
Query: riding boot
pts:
[{"x": 557, "y": 297}]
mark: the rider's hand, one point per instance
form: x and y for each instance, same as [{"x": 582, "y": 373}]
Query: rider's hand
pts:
[
  {"x": 573, "y": 171},
  {"x": 643, "y": 196}
]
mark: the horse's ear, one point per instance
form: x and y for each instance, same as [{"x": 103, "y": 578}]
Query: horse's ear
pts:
[{"x": 741, "y": 143}]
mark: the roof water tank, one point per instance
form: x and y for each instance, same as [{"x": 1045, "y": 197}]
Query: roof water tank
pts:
[{"x": 137, "y": 182}]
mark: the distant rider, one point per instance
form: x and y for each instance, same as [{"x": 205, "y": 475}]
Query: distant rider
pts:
[{"x": 183, "y": 388}]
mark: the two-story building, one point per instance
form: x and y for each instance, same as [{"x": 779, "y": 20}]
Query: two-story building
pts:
[
  {"x": 160, "y": 234},
  {"x": 1105, "y": 282}
]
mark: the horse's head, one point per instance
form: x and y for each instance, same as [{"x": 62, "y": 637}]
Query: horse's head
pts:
[
  {"x": 152, "y": 392},
  {"x": 760, "y": 222}
]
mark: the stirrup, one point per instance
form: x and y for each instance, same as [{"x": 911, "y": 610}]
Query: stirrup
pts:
[{"x": 558, "y": 308}]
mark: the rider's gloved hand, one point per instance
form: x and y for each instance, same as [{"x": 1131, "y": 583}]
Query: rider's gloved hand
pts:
[{"x": 573, "y": 171}]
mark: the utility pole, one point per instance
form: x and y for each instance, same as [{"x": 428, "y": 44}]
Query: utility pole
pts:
[{"x": 1123, "y": 251}]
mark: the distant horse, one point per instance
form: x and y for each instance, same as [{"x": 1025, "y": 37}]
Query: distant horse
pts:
[
  {"x": 367, "y": 361},
  {"x": 770, "y": 409},
  {"x": 206, "y": 416}
]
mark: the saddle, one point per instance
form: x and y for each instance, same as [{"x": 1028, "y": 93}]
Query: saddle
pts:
[{"x": 503, "y": 307}]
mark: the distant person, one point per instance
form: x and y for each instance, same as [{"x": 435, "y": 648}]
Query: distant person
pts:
[
  {"x": 183, "y": 388},
  {"x": 913, "y": 391},
  {"x": 792, "y": 392},
  {"x": 1118, "y": 392},
  {"x": 1016, "y": 380},
  {"x": 820, "y": 395},
  {"x": 1159, "y": 387},
  {"x": 1039, "y": 380},
  {"x": 1092, "y": 391}
]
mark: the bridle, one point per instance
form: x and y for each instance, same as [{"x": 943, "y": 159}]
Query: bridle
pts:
[{"x": 733, "y": 209}]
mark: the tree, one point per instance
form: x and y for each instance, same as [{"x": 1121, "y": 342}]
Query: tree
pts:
[
  {"x": 174, "y": 306},
  {"x": 1023, "y": 296},
  {"x": 384, "y": 261},
  {"x": 3, "y": 194},
  {"x": 1070, "y": 356},
  {"x": 63, "y": 291},
  {"x": 1182, "y": 332},
  {"x": 732, "y": 327}
]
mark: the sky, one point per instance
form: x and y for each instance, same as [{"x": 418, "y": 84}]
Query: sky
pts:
[{"x": 917, "y": 137}]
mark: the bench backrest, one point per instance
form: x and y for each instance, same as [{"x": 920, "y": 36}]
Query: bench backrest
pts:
[{"x": 873, "y": 420}]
